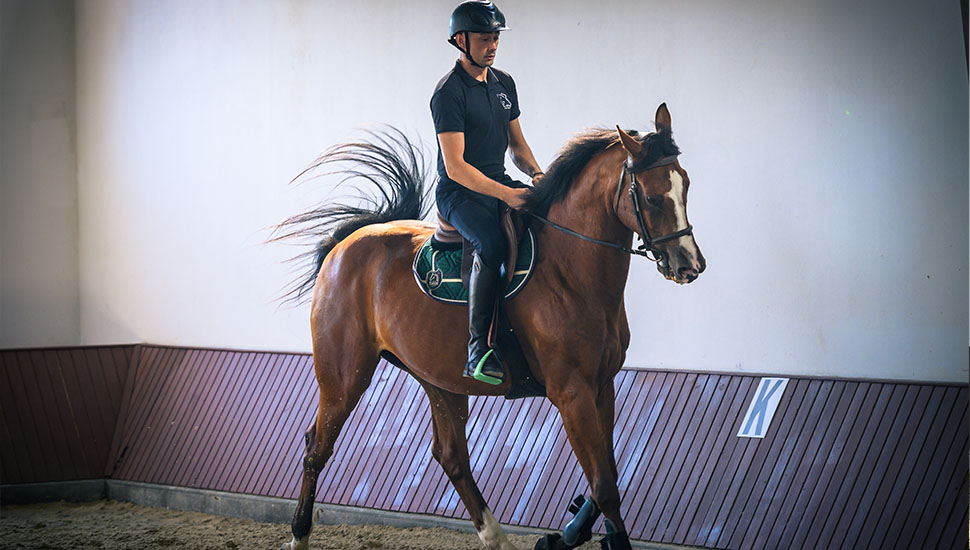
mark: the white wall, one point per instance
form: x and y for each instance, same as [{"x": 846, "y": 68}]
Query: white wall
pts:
[
  {"x": 826, "y": 141},
  {"x": 38, "y": 183}
]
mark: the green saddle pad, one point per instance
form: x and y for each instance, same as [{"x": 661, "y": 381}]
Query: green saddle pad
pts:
[{"x": 438, "y": 272}]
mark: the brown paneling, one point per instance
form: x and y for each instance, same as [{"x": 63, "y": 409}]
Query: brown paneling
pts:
[
  {"x": 21, "y": 457},
  {"x": 199, "y": 449},
  {"x": 275, "y": 420},
  {"x": 148, "y": 391},
  {"x": 850, "y": 493},
  {"x": 894, "y": 457},
  {"x": 717, "y": 444},
  {"x": 44, "y": 394},
  {"x": 411, "y": 430},
  {"x": 942, "y": 488},
  {"x": 224, "y": 446},
  {"x": 845, "y": 463},
  {"x": 677, "y": 459},
  {"x": 801, "y": 490},
  {"x": 780, "y": 476},
  {"x": 525, "y": 487},
  {"x": 59, "y": 408},
  {"x": 302, "y": 411}
]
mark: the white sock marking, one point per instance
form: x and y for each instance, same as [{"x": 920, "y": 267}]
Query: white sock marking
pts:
[{"x": 492, "y": 534}]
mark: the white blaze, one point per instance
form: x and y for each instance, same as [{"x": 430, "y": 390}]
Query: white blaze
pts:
[{"x": 676, "y": 194}]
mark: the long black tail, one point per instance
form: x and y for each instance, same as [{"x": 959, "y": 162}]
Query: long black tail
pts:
[{"x": 398, "y": 174}]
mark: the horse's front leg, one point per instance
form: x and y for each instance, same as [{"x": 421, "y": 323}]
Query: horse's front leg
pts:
[
  {"x": 605, "y": 413},
  {"x": 587, "y": 415}
]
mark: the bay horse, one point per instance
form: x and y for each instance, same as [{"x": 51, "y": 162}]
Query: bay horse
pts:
[{"x": 365, "y": 301}]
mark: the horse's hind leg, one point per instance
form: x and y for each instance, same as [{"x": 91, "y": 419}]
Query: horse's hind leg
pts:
[
  {"x": 449, "y": 413},
  {"x": 342, "y": 381}
]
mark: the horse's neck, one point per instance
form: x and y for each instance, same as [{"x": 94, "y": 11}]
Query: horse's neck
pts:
[{"x": 588, "y": 210}]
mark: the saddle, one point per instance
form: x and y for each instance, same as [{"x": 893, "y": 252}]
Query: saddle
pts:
[
  {"x": 512, "y": 227},
  {"x": 437, "y": 259}
]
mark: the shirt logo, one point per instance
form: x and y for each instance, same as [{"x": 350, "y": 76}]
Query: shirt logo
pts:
[{"x": 505, "y": 100}]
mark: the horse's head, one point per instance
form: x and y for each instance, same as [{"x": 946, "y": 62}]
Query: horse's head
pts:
[{"x": 652, "y": 201}]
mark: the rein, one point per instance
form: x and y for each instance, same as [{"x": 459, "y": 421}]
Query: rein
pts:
[{"x": 647, "y": 248}]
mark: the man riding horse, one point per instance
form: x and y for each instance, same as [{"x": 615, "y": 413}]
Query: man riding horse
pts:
[
  {"x": 604, "y": 187},
  {"x": 476, "y": 116}
]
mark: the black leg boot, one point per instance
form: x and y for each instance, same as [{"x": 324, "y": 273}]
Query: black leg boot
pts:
[{"x": 482, "y": 364}]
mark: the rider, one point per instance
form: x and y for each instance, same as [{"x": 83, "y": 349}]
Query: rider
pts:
[{"x": 475, "y": 110}]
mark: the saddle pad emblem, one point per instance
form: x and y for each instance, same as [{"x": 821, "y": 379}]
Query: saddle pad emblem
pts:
[
  {"x": 434, "y": 279},
  {"x": 438, "y": 272}
]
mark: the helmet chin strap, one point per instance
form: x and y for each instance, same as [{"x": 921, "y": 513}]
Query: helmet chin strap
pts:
[{"x": 467, "y": 51}]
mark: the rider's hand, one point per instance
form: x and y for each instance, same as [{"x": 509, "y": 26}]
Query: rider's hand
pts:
[{"x": 515, "y": 197}]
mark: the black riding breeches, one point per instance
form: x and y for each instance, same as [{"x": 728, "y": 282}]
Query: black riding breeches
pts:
[{"x": 477, "y": 217}]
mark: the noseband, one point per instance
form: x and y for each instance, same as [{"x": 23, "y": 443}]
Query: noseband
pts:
[{"x": 647, "y": 248}]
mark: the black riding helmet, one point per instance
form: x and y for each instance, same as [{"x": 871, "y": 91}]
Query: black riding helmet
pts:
[{"x": 474, "y": 16}]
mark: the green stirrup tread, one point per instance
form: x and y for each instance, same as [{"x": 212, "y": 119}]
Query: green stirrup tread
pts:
[{"x": 482, "y": 377}]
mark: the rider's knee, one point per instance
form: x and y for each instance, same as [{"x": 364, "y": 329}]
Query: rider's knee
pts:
[{"x": 492, "y": 251}]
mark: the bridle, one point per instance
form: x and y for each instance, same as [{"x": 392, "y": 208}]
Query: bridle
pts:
[{"x": 647, "y": 248}]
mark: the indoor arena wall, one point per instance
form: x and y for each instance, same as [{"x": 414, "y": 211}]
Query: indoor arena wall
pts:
[{"x": 843, "y": 463}]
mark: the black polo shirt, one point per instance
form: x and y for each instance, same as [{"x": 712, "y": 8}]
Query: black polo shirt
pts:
[{"x": 482, "y": 110}]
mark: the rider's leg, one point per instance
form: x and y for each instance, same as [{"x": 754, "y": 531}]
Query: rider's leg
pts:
[
  {"x": 482, "y": 284},
  {"x": 476, "y": 217}
]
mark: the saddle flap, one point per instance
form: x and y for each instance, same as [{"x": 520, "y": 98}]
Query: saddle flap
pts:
[{"x": 513, "y": 227}]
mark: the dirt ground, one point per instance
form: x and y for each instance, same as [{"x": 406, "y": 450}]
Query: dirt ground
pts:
[{"x": 122, "y": 525}]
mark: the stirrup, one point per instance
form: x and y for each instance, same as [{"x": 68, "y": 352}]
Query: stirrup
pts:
[{"x": 478, "y": 373}]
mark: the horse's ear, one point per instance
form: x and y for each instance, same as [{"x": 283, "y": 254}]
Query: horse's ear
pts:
[
  {"x": 632, "y": 146},
  {"x": 662, "y": 117}
]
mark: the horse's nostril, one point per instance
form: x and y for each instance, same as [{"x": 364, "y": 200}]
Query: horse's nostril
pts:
[{"x": 688, "y": 272}]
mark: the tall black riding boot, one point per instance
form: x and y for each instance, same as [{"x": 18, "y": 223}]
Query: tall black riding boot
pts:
[{"x": 482, "y": 364}]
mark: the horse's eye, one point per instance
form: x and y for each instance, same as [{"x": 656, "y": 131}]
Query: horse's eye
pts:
[{"x": 655, "y": 201}]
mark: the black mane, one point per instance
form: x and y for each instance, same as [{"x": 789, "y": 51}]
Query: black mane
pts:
[{"x": 577, "y": 153}]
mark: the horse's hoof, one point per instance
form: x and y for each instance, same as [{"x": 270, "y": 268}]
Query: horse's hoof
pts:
[
  {"x": 547, "y": 542},
  {"x": 294, "y": 544},
  {"x": 617, "y": 540}
]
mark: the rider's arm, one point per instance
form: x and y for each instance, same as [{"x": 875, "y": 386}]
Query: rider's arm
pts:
[
  {"x": 453, "y": 152},
  {"x": 521, "y": 152}
]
